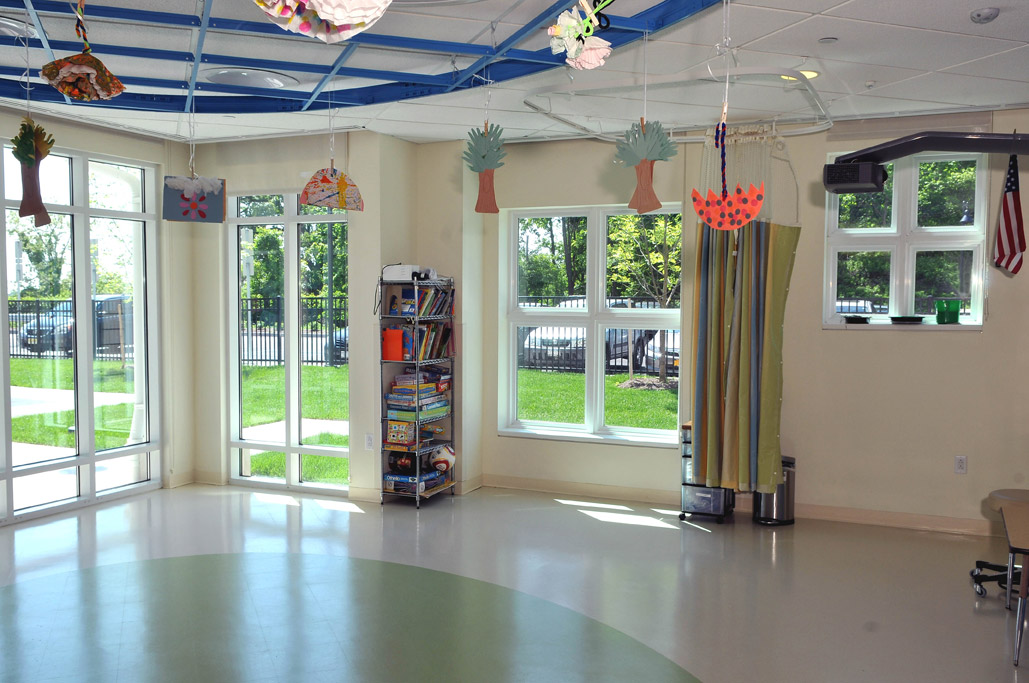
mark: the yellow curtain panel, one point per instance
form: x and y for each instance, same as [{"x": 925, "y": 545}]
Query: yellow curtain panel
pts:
[{"x": 742, "y": 281}]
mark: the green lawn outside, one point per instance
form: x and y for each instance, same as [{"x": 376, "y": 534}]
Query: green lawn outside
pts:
[
  {"x": 52, "y": 429},
  {"x": 57, "y": 373},
  {"x": 324, "y": 395},
  {"x": 561, "y": 397}
]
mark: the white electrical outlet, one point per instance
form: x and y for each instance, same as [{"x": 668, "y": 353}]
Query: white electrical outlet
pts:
[
  {"x": 960, "y": 464},
  {"x": 369, "y": 442}
]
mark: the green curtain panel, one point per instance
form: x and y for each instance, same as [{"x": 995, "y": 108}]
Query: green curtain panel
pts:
[{"x": 742, "y": 280}]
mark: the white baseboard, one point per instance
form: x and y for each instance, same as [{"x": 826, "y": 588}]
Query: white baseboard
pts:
[{"x": 744, "y": 506}]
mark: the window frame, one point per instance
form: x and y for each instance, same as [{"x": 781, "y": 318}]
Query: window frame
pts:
[
  {"x": 291, "y": 219},
  {"x": 904, "y": 238},
  {"x": 86, "y": 458},
  {"x": 596, "y": 318}
]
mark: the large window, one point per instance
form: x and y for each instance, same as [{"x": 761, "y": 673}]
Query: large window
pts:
[
  {"x": 290, "y": 345},
  {"x": 80, "y": 354},
  {"x": 592, "y": 325},
  {"x": 918, "y": 242}
]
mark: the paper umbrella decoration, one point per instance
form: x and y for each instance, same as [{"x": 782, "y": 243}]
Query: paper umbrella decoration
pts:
[
  {"x": 333, "y": 188},
  {"x": 728, "y": 212},
  {"x": 82, "y": 76},
  {"x": 31, "y": 145},
  {"x": 645, "y": 142},
  {"x": 483, "y": 156},
  {"x": 327, "y": 20}
]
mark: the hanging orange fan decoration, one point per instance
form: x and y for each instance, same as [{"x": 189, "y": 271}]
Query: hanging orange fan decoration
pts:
[{"x": 82, "y": 76}]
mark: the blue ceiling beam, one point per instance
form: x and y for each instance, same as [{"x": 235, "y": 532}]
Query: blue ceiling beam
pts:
[
  {"x": 199, "y": 51},
  {"x": 344, "y": 55},
  {"x": 538, "y": 22},
  {"x": 43, "y": 40},
  {"x": 102, "y": 11}
]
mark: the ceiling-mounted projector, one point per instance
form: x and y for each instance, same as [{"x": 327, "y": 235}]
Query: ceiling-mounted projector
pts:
[{"x": 854, "y": 176}]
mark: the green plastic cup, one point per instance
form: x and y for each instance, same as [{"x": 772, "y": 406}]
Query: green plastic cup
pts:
[{"x": 947, "y": 311}]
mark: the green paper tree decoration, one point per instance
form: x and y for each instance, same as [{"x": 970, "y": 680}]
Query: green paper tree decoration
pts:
[
  {"x": 31, "y": 145},
  {"x": 645, "y": 143},
  {"x": 483, "y": 156}
]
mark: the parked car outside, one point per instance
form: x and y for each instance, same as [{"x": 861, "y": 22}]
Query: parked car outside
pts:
[
  {"x": 55, "y": 329},
  {"x": 340, "y": 345}
]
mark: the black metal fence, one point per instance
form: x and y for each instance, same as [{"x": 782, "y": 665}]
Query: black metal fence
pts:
[
  {"x": 563, "y": 349},
  {"x": 262, "y": 331},
  {"x": 45, "y": 328}
]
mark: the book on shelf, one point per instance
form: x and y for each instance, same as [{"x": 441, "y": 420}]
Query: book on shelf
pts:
[
  {"x": 409, "y": 400},
  {"x": 411, "y": 390},
  {"x": 411, "y": 416},
  {"x": 406, "y": 447},
  {"x": 400, "y": 432},
  {"x": 425, "y": 411}
]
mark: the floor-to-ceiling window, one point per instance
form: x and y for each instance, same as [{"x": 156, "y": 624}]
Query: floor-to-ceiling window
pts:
[
  {"x": 289, "y": 343},
  {"x": 80, "y": 410}
]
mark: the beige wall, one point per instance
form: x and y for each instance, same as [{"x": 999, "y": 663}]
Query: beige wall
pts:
[{"x": 874, "y": 418}]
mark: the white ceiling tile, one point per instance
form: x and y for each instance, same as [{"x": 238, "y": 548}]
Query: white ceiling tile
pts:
[
  {"x": 861, "y": 106},
  {"x": 944, "y": 15},
  {"x": 1010, "y": 65},
  {"x": 745, "y": 24},
  {"x": 812, "y": 6},
  {"x": 871, "y": 43},
  {"x": 956, "y": 89},
  {"x": 834, "y": 76},
  {"x": 466, "y": 116},
  {"x": 662, "y": 57},
  {"x": 455, "y": 28}
]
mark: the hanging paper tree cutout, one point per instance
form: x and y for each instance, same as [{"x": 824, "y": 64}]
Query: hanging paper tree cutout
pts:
[
  {"x": 729, "y": 212},
  {"x": 645, "y": 142},
  {"x": 483, "y": 156},
  {"x": 332, "y": 188},
  {"x": 31, "y": 145},
  {"x": 82, "y": 76},
  {"x": 327, "y": 20}
]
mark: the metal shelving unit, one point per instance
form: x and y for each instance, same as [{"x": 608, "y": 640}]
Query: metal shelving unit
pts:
[{"x": 412, "y": 474}]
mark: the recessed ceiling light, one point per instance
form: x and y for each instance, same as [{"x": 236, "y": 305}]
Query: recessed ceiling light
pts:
[
  {"x": 828, "y": 40},
  {"x": 17, "y": 28},
  {"x": 251, "y": 78},
  {"x": 804, "y": 72}
]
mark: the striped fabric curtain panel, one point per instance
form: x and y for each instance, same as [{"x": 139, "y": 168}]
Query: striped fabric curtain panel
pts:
[{"x": 742, "y": 281}]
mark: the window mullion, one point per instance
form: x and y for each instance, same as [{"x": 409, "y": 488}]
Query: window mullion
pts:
[
  {"x": 291, "y": 342},
  {"x": 596, "y": 287}
]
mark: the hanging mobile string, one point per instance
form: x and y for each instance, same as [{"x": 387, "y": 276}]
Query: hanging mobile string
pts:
[
  {"x": 27, "y": 85},
  {"x": 646, "y": 40},
  {"x": 724, "y": 47},
  {"x": 80, "y": 25},
  {"x": 192, "y": 123},
  {"x": 332, "y": 135}
]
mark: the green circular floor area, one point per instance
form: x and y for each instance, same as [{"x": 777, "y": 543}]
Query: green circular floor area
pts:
[{"x": 305, "y": 618}]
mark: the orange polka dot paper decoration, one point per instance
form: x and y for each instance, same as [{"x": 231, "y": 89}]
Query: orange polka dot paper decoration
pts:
[{"x": 731, "y": 212}]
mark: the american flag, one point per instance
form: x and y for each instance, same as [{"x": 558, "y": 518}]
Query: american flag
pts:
[{"x": 1007, "y": 252}]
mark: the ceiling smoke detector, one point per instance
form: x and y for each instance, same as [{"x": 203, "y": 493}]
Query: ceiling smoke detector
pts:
[
  {"x": 250, "y": 78},
  {"x": 984, "y": 15}
]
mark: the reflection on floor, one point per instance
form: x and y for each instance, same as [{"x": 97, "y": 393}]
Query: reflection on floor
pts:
[{"x": 819, "y": 601}]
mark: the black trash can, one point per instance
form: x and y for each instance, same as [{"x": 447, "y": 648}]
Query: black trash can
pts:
[{"x": 776, "y": 509}]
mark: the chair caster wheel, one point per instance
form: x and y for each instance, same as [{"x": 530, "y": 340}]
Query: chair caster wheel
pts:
[
  {"x": 980, "y": 590},
  {"x": 975, "y": 572}
]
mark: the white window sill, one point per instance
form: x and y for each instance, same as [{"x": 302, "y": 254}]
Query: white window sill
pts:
[
  {"x": 651, "y": 438},
  {"x": 923, "y": 326}
]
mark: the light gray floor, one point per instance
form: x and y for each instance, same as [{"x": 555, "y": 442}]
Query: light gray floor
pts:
[{"x": 819, "y": 601}]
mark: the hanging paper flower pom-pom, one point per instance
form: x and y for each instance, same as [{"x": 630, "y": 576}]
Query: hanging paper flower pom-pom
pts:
[
  {"x": 484, "y": 154},
  {"x": 644, "y": 144},
  {"x": 327, "y": 20},
  {"x": 31, "y": 145}
]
